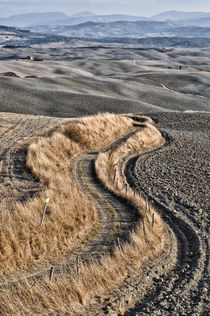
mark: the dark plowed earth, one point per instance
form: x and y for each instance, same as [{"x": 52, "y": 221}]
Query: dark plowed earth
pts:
[{"x": 175, "y": 178}]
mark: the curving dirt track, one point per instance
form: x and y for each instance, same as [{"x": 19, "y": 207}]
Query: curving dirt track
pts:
[{"x": 116, "y": 217}]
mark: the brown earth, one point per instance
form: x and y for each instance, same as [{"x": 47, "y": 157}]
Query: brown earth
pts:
[{"x": 16, "y": 131}]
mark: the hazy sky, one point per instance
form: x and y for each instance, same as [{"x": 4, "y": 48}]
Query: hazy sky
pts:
[{"x": 134, "y": 7}]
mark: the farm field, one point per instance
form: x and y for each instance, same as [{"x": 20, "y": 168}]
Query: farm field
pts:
[{"x": 125, "y": 230}]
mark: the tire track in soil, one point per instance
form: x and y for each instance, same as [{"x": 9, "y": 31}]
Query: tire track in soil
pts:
[
  {"x": 183, "y": 291},
  {"x": 17, "y": 183},
  {"x": 116, "y": 217}
]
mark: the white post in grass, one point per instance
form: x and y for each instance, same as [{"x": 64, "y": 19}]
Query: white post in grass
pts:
[{"x": 44, "y": 211}]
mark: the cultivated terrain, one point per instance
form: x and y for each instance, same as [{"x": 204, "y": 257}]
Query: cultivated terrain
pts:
[{"x": 126, "y": 227}]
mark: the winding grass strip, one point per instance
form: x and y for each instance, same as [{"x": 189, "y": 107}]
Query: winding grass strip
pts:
[
  {"x": 24, "y": 243},
  {"x": 47, "y": 297}
]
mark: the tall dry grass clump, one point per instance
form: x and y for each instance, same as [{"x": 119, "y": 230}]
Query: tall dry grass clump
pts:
[
  {"x": 58, "y": 296},
  {"x": 24, "y": 242},
  {"x": 96, "y": 131}
]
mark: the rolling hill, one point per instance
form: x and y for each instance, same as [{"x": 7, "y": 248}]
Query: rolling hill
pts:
[
  {"x": 136, "y": 29},
  {"x": 11, "y": 37}
]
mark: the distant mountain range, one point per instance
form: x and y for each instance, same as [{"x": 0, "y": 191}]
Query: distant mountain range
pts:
[
  {"x": 23, "y": 20},
  {"x": 204, "y": 22},
  {"x": 180, "y": 16},
  {"x": 13, "y": 38},
  {"x": 186, "y": 18},
  {"x": 57, "y": 18},
  {"x": 56, "y": 26},
  {"x": 137, "y": 29}
]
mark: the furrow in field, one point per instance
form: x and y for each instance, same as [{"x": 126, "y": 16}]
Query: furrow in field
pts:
[
  {"x": 183, "y": 290},
  {"x": 16, "y": 182}
]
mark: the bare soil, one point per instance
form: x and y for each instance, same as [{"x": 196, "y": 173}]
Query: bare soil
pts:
[
  {"x": 16, "y": 181},
  {"x": 175, "y": 178}
]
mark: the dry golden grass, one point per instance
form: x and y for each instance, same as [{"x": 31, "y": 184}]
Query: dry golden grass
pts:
[
  {"x": 50, "y": 297},
  {"x": 95, "y": 131},
  {"x": 109, "y": 171},
  {"x": 107, "y": 163},
  {"x": 46, "y": 297},
  {"x": 24, "y": 243}
]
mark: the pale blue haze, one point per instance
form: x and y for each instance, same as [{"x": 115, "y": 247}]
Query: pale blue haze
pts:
[{"x": 132, "y": 7}]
